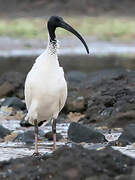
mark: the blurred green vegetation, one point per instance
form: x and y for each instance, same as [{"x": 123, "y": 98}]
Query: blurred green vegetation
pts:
[{"x": 101, "y": 27}]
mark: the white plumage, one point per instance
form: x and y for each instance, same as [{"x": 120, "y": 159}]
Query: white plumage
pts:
[{"x": 45, "y": 87}]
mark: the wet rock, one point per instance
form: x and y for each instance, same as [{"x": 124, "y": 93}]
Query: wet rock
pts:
[
  {"x": 122, "y": 119},
  {"x": 108, "y": 74},
  {"x": 62, "y": 118},
  {"x": 49, "y": 136},
  {"x": 74, "y": 117},
  {"x": 14, "y": 102},
  {"x": 132, "y": 175},
  {"x": 10, "y": 137},
  {"x": 70, "y": 163},
  {"x": 75, "y": 104},
  {"x": 11, "y": 83},
  {"x": 75, "y": 76},
  {"x": 80, "y": 133},
  {"x": 99, "y": 109},
  {"x": 20, "y": 93},
  {"x": 108, "y": 101},
  {"x": 15, "y": 78},
  {"x": 128, "y": 136},
  {"x": 4, "y": 131},
  {"x": 124, "y": 177},
  {"x": 110, "y": 98},
  {"x": 27, "y": 137},
  {"x": 97, "y": 178},
  {"x": 6, "y": 89}
]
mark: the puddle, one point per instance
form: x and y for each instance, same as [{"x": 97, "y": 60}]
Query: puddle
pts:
[
  {"x": 128, "y": 150},
  {"x": 12, "y": 150},
  {"x": 11, "y": 124}
]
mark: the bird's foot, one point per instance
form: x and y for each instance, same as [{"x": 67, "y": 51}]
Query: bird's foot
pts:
[{"x": 36, "y": 155}]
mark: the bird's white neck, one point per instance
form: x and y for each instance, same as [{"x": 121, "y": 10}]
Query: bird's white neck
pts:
[{"x": 49, "y": 58}]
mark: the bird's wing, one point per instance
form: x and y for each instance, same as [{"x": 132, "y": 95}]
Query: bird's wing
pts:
[{"x": 28, "y": 96}]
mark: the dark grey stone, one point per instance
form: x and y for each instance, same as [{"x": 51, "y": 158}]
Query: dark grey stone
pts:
[
  {"x": 27, "y": 137},
  {"x": 4, "y": 131},
  {"x": 80, "y": 133},
  {"x": 128, "y": 135},
  {"x": 14, "y": 102},
  {"x": 49, "y": 136}
]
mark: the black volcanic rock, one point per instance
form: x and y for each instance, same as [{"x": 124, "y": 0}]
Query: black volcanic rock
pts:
[
  {"x": 49, "y": 136},
  {"x": 12, "y": 84},
  {"x": 4, "y": 131},
  {"x": 80, "y": 133},
  {"x": 14, "y": 102},
  {"x": 74, "y": 163},
  {"x": 128, "y": 135}
]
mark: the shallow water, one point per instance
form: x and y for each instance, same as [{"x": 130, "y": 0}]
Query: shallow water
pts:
[
  {"x": 15, "y": 55},
  {"x": 128, "y": 150},
  {"x": 95, "y": 47},
  {"x": 14, "y": 150}
]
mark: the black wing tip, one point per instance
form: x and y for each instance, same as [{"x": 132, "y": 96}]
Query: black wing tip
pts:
[{"x": 24, "y": 123}]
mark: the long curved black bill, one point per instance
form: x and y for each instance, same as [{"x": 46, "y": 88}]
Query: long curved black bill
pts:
[{"x": 70, "y": 29}]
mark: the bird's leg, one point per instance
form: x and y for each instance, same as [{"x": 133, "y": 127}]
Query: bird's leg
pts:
[
  {"x": 36, "y": 138},
  {"x": 54, "y": 133}
]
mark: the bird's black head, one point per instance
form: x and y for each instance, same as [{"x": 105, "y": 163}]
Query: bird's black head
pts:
[
  {"x": 56, "y": 21},
  {"x": 53, "y": 23}
]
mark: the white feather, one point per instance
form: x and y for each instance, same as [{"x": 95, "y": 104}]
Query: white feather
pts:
[{"x": 45, "y": 87}]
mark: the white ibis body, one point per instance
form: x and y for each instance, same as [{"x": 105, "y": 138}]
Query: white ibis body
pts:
[{"x": 45, "y": 85}]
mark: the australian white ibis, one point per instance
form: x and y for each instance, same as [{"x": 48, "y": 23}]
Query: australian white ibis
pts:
[{"x": 45, "y": 85}]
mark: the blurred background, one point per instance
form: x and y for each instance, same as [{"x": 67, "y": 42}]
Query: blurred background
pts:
[
  {"x": 108, "y": 27},
  {"x": 101, "y": 85}
]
